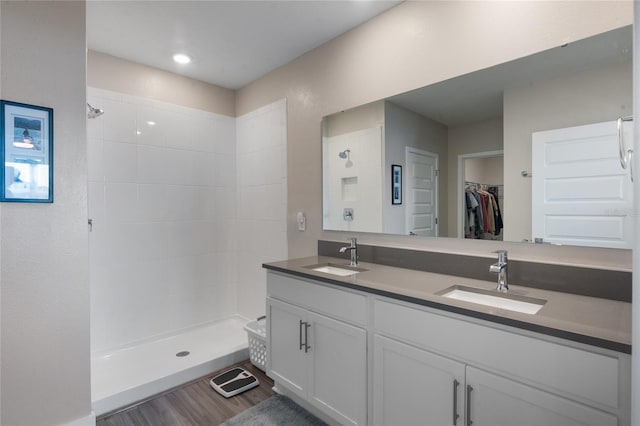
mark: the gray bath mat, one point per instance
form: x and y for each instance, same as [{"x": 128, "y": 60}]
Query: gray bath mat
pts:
[{"x": 277, "y": 410}]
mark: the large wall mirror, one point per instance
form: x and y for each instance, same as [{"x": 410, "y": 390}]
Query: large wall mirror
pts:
[{"x": 523, "y": 151}]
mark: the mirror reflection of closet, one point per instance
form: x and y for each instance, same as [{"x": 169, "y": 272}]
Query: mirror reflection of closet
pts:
[{"x": 482, "y": 196}]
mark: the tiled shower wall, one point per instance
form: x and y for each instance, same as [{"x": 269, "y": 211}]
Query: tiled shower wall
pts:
[
  {"x": 162, "y": 197},
  {"x": 262, "y": 201}
]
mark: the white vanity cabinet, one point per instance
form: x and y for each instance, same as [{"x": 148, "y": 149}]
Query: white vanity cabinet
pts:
[
  {"x": 316, "y": 355},
  {"x": 362, "y": 358},
  {"x": 416, "y": 387},
  {"x": 500, "y": 377}
]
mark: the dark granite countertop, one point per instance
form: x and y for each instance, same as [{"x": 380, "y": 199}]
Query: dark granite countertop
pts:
[{"x": 600, "y": 322}]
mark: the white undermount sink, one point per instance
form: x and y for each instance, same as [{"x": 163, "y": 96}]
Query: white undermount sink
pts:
[
  {"x": 517, "y": 303},
  {"x": 333, "y": 269}
]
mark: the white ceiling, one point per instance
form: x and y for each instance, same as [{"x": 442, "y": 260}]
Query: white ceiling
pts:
[{"x": 231, "y": 43}]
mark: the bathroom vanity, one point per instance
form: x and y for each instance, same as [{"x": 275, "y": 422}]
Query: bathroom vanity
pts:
[{"x": 383, "y": 345}]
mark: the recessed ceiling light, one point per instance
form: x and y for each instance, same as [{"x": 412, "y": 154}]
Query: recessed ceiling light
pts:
[
  {"x": 181, "y": 58},
  {"x": 151, "y": 123}
]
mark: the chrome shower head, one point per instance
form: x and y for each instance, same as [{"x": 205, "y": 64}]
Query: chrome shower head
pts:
[
  {"x": 344, "y": 153},
  {"x": 93, "y": 112}
]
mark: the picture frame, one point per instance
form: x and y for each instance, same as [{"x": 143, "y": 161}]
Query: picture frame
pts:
[
  {"x": 26, "y": 174},
  {"x": 396, "y": 184}
]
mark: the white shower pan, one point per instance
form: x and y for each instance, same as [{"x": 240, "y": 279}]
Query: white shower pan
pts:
[{"x": 124, "y": 377}]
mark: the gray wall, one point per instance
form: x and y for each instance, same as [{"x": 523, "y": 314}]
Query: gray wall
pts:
[
  {"x": 44, "y": 282},
  {"x": 404, "y": 128}
]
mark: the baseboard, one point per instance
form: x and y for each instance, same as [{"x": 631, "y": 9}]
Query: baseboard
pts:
[{"x": 89, "y": 420}]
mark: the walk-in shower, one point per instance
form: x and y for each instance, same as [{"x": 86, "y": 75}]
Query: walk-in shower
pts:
[{"x": 163, "y": 305}]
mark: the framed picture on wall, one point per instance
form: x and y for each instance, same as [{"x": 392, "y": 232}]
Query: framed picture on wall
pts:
[
  {"x": 27, "y": 153},
  {"x": 396, "y": 184}
]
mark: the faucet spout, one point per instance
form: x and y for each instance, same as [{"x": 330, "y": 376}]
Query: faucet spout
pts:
[
  {"x": 353, "y": 248},
  {"x": 500, "y": 268}
]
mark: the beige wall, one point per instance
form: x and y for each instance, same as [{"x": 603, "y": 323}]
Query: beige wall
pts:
[
  {"x": 119, "y": 75},
  {"x": 593, "y": 96},
  {"x": 484, "y": 170},
  {"x": 44, "y": 247},
  {"x": 412, "y": 45},
  {"x": 360, "y": 118}
]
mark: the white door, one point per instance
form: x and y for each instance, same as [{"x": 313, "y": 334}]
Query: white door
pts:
[
  {"x": 497, "y": 401},
  {"x": 415, "y": 387},
  {"x": 581, "y": 194},
  {"x": 337, "y": 369},
  {"x": 422, "y": 193},
  {"x": 287, "y": 358}
]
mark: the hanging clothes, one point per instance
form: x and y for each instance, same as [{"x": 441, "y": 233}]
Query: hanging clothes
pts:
[
  {"x": 488, "y": 209},
  {"x": 483, "y": 219},
  {"x": 470, "y": 217},
  {"x": 494, "y": 190}
]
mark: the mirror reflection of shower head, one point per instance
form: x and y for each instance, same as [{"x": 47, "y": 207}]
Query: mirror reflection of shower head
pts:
[
  {"x": 93, "y": 112},
  {"x": 344, "y": 153}
]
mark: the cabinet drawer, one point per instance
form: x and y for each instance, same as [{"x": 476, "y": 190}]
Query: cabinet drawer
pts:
[
  {"x": 590, "y": 376},
  {"x": 317, "y": 297}
]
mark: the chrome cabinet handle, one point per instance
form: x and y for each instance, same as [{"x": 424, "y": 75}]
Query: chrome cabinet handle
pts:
[
  {"x": 306, "y": 337},
  {"x": 302, "y": 345},
  {"x": 455, "y": 402},
  {"x": 469, "y": 389},
  {"x": 626, "y": 155}
]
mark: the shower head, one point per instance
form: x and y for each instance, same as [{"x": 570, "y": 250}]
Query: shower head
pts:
[
  {"x": 344, "y": 153},
  {"x": 93, "y": 112}
]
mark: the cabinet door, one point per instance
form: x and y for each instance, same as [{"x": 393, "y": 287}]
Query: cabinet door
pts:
[
  {"x": 286, "y": 334},
  {"x": 496, "y": 401},
  {"x": 338, "y": 369},
  {"x": 415, "y": 387}
]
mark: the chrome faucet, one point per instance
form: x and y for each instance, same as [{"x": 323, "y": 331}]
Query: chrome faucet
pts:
[
  {"x": 354, "y": 251},
  {"x": 501, "y": 269}
]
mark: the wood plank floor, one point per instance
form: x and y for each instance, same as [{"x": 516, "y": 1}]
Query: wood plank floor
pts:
[{"x": 192, "y": 404}]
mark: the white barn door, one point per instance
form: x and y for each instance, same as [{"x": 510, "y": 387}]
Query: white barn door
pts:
[{"x": 581, "y": 194}]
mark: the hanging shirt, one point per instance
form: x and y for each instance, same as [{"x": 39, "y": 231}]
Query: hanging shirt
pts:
[
  {"x": 469, "y": 217},
  {"x": 479, "y": 214}
]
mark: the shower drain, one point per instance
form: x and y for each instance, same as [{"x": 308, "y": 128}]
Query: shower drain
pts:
[{"x": 182, "y": 353}]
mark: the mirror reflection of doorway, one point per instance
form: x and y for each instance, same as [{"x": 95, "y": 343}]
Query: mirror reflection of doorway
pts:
[
  {"x": 481, "y": 196},
  {"x": 422, "y": 192}
]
